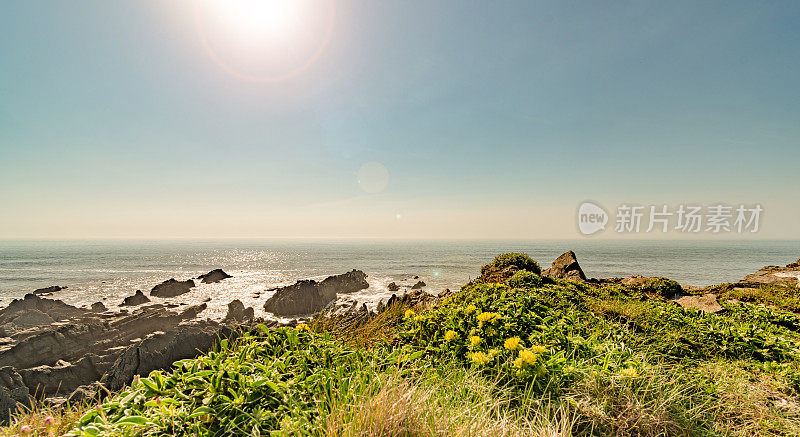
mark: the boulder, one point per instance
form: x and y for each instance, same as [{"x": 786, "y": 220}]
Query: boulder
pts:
[
  {"x": 419, "y": 285},
  {"x": 565, "y": 267},
  {"x": 215, "y": 275},
  {"x": 64, "y": 377},
  {"x": 99, "y": 307},
  {"x": 172, "y": 288},
  {"x": 137, "y": 299},
  {"x": 33, "y": 311},
  {"x": 393, "y": 287},
  {"x": 308, "y": 296},
  {"x": 51, "y": 289},
  {"x": 706, "y": 303},
  {"x": 237, "y": 313}
]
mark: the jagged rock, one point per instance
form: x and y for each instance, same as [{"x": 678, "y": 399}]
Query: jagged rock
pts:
[
  {"x": 418, "y": 285},
  {"x": 172, "y": 288},
  {"x": 160, "y": 350},
  {"x": 99, "y": 307},
  {"x": 33, "y": 311},
  {"x": 774, "y": 275},
  {"x": 62, "y": 378},
  {"x": 83, "y": 393},
  {"x": 706, "y": 303},
  {"x": 565, "y": 267},
  {"x": 137, "y": 299},
  {"x": 308, "y": 296},
  {"x": 51, "y": 289},
  {"x": 393, "y": 287},
  {"x": 12, "y": 392},
  {"x": 238, "y": 313},
  {"x": 215, "y": 275}
]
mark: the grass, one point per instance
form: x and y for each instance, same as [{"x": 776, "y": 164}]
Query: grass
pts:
[{"x": 540, "y": 359}]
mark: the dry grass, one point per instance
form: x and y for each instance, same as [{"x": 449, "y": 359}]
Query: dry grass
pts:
[
  {"x": 460, "y": 404},
  {"x": 378, "y": 329},
  {"x": 63, "y": 420}
]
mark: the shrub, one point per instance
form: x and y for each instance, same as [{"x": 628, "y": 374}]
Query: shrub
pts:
[
  {"x": 525, "y": 279},
  {"x": 661, "y": 286},
  {"x": 504, "y": 266}
]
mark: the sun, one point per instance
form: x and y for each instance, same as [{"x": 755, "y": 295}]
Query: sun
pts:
[
  {"x": 264, "y": 40},
  {"x": 262, "y": 19}
]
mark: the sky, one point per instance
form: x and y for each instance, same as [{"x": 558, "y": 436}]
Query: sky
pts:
[{"x": 392, "y": 119}]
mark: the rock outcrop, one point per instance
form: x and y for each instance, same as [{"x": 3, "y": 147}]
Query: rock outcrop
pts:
[
  {"x": 706, "y": 303},
  {"x": 565, "y": 267},
  {"x": 138, "y": 298},
  {"x": 774, "y": 275},
  {"x": 51, "y": 289},
  {"x": 99, "y": 307},
  {"x": 419, "y": 285},
  {"x": 393, "y": 287},
  {"x": 65, "y": 350},
  {"x": 237, "y": 313},
  {"x": 213, "y": 276},
  {"x": 309, "y": 296},
  {"x": 172, "y": 288}
]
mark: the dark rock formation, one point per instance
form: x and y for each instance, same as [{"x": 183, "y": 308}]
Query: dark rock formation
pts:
[
  {"x": 13, "y": 391},
  {"x": 137, "y": 299},
  {"x": 393, "y": 287},
  {"x": 215, "y": 275},
  {"x": 237, "y": 313},
  {"x": 52, "y": 289},
  {"x": 565, "y": 267},
  {"x": 706, "y": 303},
  {"x": 99, "y": 307},
  {"x": 172, "y": 288},
  {"x": 66, "y": 349},
  {"x": 308, "y": 296},
  {"x": 418, "y": 285}
]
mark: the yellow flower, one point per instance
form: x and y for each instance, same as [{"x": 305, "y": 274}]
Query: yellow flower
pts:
[
  {"x": 419, "y": 318},
  {"x": 629, "y": 372},
  {"x": 479, "y": 358},
  {"x": 302, "y": 327},
  {"x": 409, "y": 314},
  {"x": 449, "y": 335},
  {"x": 518, "y": 363},
  {"x": 484, "y": 317},
  {"x": 474, "y": 340},
  {"x": 528, "y": 357},
  {"x": 538, "y": 349},
  {"x": 471, "y": 309},
  {"x": 493, "y": 353},
  {"x": 511, "y": 343}
]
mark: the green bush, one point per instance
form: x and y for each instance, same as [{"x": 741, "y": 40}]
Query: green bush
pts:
[
  {"x": 519, "y": 260},
  {"x": 525, "y": 279},
  {"x": 661, "y": 286}
]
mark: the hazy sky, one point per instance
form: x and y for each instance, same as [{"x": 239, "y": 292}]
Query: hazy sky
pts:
[{"x": 492, "y": 119}]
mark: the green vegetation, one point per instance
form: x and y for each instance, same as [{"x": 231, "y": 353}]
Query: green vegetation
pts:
[
  {"x": 506, "y": 265},
  {"x": 661, "y": 286},
  {"x": 522, "y": 358}
]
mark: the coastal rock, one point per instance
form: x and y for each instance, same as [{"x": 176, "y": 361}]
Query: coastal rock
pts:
[
  {"x": 706, "y": 303},
  {"x": 635, "y": 280},
  {"x": 159, "y": 350},
  {"x": 51, "y": 289},
  {"x": 774, "y": 275},
  {"x": 172, "y": 288},
  {"x": 33, "y": 311},
  {"x": 565, "y": 267},
  {"x": 99, "y": 307},
  {"x": 61, "y": 378},
  {"x": 12, "y": 392},
  {"x": 137, "y": 299},
  {"x": 238, "y": 313},
  {"x": 215, "y": 275},
  {"x": 419, "y": 285},
  {"x": 393, "y": 287},
  {"x": 308, "y": 296}
]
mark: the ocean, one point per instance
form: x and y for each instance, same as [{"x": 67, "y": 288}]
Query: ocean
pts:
[{"x": 108, "y": 271}]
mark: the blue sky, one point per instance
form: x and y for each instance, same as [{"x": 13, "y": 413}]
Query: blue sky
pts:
[{"x": 492, "y": 119}]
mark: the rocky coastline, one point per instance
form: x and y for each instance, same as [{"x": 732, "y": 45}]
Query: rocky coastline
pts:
[{"x": 57, "y": 353}]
